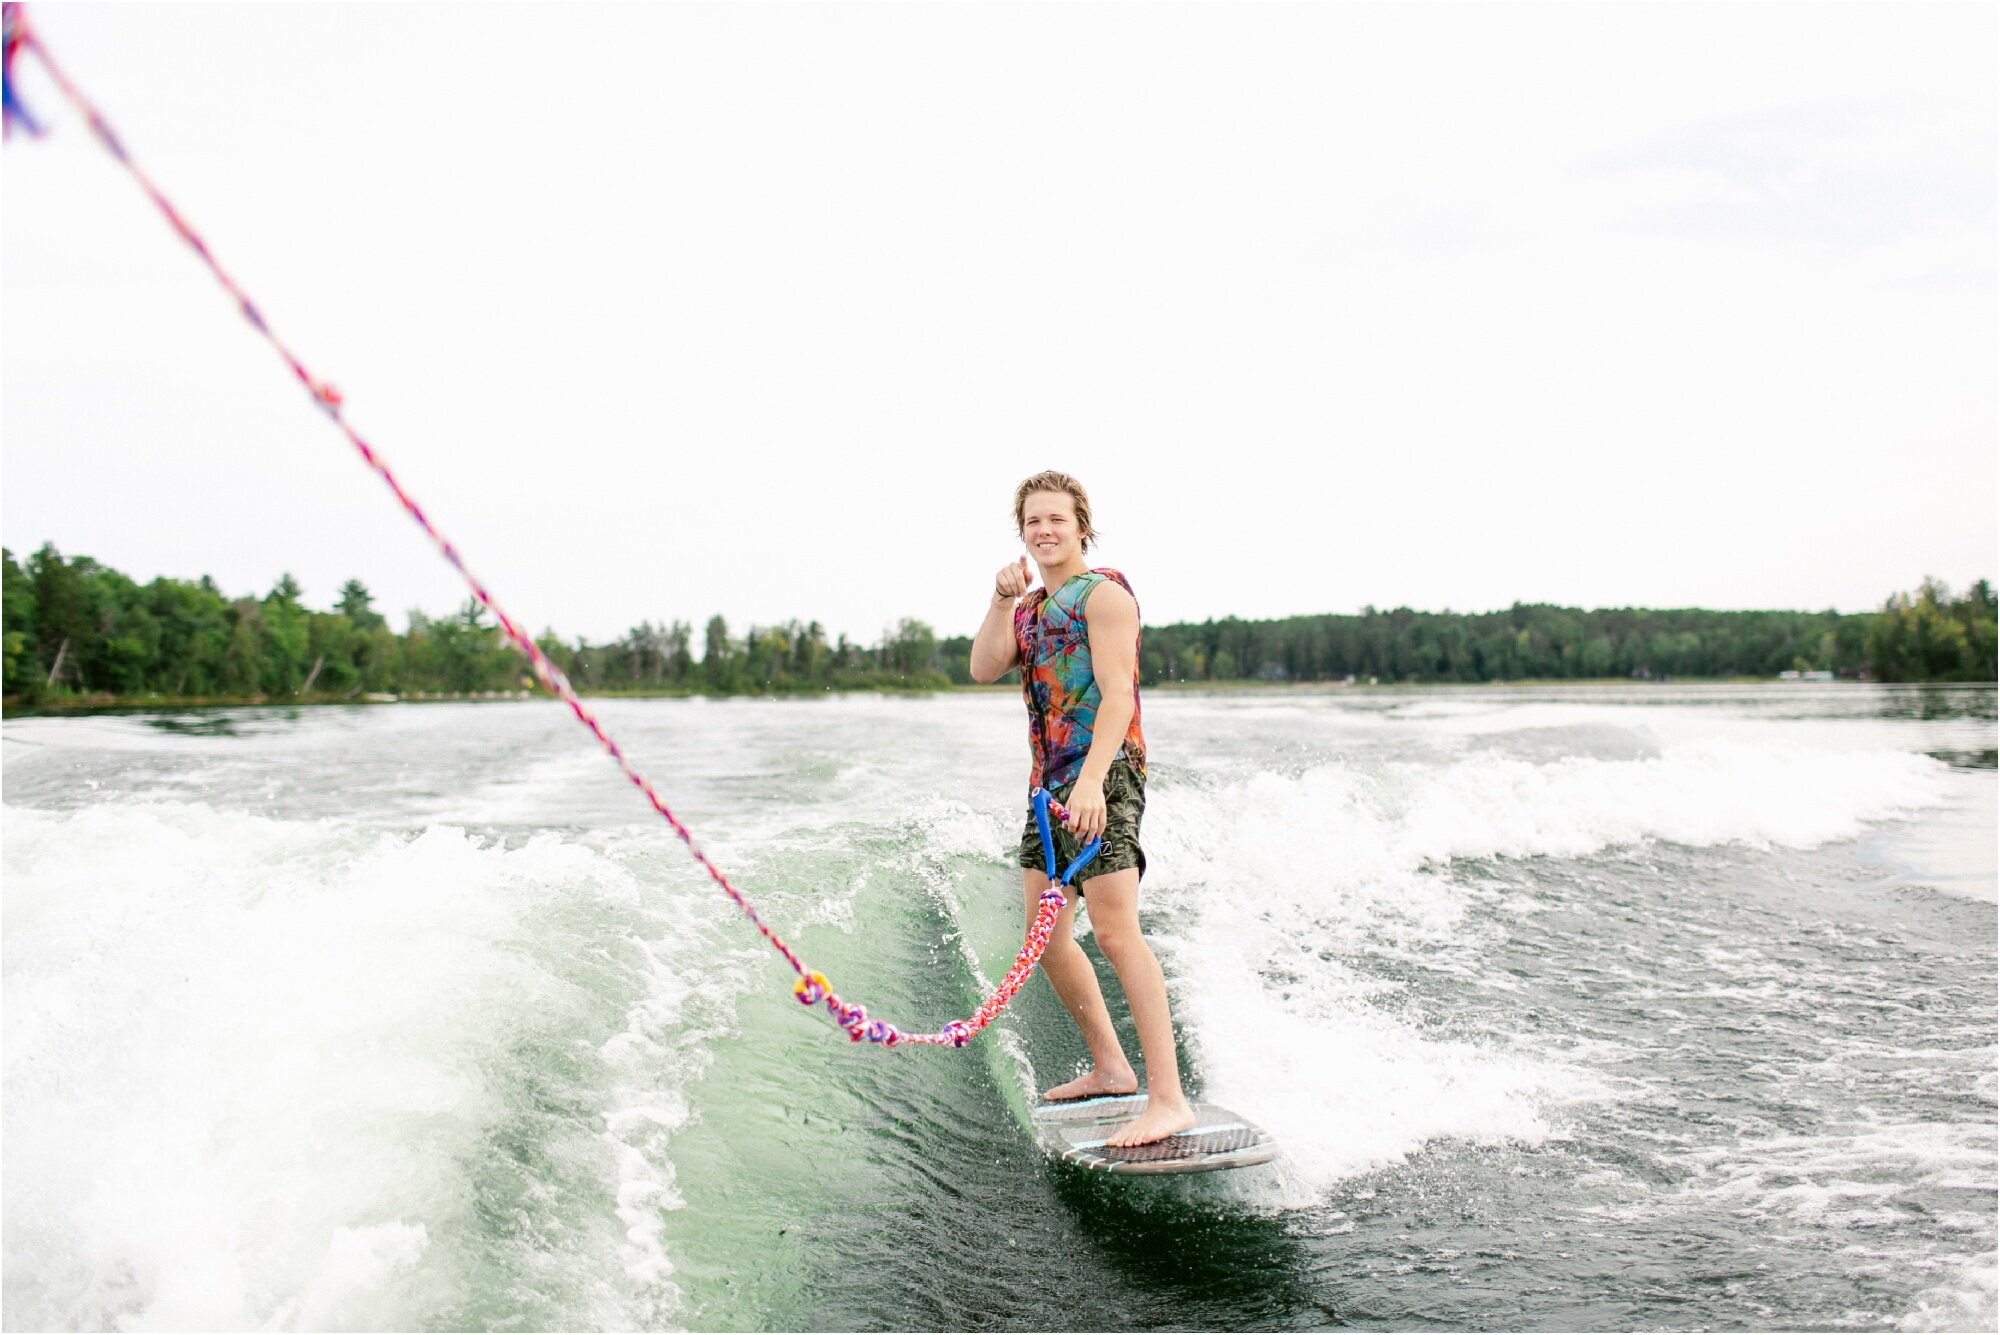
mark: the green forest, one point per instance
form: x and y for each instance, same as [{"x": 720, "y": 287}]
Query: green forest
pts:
[
  {"x": 1929, "y": 635},
  {"x": 80, "y": 632}
]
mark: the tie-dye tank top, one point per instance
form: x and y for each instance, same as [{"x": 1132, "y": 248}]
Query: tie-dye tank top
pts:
[{"x": 1056, "y": 678}]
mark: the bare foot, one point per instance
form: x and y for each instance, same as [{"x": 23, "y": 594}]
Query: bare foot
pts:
[
  {"x": 1160, "y": 1120},
  {"x": 1092, "y": 1083}
]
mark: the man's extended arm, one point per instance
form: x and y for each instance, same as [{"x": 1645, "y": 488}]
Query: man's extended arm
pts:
[{"x": 994, "y": 651}]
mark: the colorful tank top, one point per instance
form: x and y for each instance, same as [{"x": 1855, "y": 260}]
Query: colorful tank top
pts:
[{"x": 1056, "y": 678}]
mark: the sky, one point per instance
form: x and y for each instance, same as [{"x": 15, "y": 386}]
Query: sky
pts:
[{"x": 665, "y": 311}]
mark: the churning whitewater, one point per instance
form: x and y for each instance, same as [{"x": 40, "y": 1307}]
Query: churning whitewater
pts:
[{"x": 1662, "y": 1007}]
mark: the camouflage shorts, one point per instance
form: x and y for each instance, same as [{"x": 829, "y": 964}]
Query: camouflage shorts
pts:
[{"x": 1124, "y": 805}]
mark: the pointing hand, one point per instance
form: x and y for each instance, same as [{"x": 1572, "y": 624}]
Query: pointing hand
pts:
[{"x": 1011, "y": 583}]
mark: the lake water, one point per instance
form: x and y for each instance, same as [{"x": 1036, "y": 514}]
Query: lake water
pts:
[{"x": 1665, "y": 1008}]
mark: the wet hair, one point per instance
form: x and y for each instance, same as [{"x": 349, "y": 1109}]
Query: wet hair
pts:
[{"x": 1050, "y": 480}]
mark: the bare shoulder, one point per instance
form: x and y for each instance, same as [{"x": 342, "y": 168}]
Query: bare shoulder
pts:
[{"x": 1111, "y": 602}]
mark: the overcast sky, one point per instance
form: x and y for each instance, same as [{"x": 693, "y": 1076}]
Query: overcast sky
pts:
[{"x": 664, "y": 311}]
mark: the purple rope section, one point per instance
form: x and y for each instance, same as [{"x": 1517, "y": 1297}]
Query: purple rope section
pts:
[{"x": 811, "y": 988}]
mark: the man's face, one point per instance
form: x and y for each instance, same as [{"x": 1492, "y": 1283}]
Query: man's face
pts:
[{"x": 1049, "y": 528}]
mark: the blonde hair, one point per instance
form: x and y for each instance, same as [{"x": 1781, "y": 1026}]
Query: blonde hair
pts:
[{"x": 1050, "y": 480}]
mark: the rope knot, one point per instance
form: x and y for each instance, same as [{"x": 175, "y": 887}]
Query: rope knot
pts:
[{"x": 811, "y": 989}]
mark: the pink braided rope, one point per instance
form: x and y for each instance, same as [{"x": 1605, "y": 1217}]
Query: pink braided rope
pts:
[{"x": 812, "y": 987}]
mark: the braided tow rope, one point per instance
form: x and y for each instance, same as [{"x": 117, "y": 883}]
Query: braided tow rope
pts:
[{"x": 812, "y": 987}]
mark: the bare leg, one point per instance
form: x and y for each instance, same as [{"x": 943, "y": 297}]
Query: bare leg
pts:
[
  {"x": 1114, "y": 922},
  {"x": 1075, "y": 981}
]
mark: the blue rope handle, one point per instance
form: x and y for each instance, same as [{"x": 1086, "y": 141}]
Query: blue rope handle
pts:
[{"x": 1090, "y": 850}]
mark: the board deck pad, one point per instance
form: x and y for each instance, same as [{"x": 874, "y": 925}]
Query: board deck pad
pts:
[{"x": 1077, "y": 1129}]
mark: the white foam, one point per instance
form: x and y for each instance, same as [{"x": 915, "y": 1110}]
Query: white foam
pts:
[
  {"x": 1272, "y": 889},
  {"x": 1347, "y": 1087},
  {"x": 1968, "y": 1298},
  {"x": 253, "y": 1066},
  {"x": 1844, "y": 1178},
  {"x": 1700, "y": 793},
  {"x": 1851, "y": 1180},
  {"x": 360, "y": 1266},
  {"x": 653, "y": 1062}
]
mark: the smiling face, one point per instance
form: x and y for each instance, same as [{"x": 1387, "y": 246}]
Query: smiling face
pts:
[{"x": 1049, "y": 529}]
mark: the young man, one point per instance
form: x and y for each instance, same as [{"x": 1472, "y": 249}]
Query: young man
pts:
[{"x": 1076, "y": 641}]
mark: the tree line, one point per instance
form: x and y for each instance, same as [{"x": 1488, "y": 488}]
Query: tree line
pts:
[
  {"x": 77, "y": 628},
  {"x": 1931, "y": 636},
  {"x": 1926, "y": 636}
]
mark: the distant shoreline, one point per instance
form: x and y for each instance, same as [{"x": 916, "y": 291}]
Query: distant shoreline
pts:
[
  {"x": 80, "y": 635},
  {"x": 113, "y": 704}
]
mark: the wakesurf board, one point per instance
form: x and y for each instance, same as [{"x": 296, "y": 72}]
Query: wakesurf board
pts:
[{"x": 1076, "y": 1131}]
